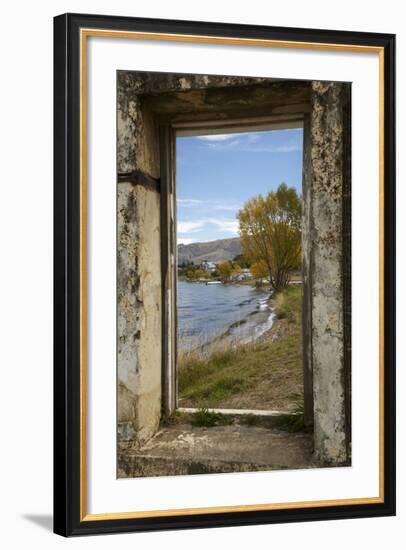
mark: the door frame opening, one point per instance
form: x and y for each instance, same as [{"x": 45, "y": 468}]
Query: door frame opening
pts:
[{"x": 168, "y": 135}]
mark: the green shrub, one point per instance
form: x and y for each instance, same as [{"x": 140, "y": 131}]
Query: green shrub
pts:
[{"x": 209, "y": 419}]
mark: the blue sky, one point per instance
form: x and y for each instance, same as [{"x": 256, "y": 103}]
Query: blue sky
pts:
[{"x": 217, "y": 174}]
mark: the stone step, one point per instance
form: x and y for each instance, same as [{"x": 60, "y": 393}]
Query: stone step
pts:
[{"x": 182, "y": 450}]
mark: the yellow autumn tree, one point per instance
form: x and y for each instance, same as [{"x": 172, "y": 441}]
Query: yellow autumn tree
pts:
[
  {"x": 236, "y": 269},
  {"x": 225, "y": 270},
  {"x": 270, "y": 231},
  {"x": 259, "y": 270}
]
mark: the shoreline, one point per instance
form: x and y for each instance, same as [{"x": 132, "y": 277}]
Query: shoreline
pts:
[
  {"x": 248, "y": 282},
  {"x": 225, "y": 338}
]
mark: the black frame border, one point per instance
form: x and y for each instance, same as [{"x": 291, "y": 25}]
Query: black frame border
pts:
[{"x": 67, "y": 275}]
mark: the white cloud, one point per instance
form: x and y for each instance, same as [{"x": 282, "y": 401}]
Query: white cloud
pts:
[
  {"x": 189, "y": 202},
  {"x": 218, "y": 137},
  {"x": 249, "y": 143},
  {"x": 254, "y": 147},
  {"x": 278, "y": 149},
  {"x": 229, "y": 226},
  {"x": 209, "y": 204},
  {"x": 190, "y": 227},
  {"x": 185, "y": 240},
  {"x": 230, "y": 207},
  {"x": 185, "y": 228}
]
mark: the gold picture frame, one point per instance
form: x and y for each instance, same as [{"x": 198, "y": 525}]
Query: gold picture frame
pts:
[{"x": 71, "y": 39}]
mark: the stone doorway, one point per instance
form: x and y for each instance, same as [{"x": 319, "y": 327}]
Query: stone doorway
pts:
[{"x": 152, "y": 109}]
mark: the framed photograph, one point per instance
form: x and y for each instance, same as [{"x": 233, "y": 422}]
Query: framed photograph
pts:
[{"x": 224, "y": 274}]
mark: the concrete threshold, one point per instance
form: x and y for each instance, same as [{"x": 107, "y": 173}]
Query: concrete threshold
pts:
[
  {"x": 236, "y": 412},
  {"x": 185, "y": 449}
]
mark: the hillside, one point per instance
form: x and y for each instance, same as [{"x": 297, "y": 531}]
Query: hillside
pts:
[{"x": 214, "y": 251}]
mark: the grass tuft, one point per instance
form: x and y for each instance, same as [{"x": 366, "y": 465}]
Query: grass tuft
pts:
[
  {"x": 209, "y": 419},
  {"x": 288, "y": 304}
]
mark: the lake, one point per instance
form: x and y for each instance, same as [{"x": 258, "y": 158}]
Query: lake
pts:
[{"x": 238, "y": 312}]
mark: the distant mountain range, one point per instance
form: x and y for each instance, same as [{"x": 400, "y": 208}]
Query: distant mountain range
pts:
[{"x": 213, "y": 251}]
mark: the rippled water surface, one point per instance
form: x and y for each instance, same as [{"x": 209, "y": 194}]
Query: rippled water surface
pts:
[{"x": 207, "y": 311}]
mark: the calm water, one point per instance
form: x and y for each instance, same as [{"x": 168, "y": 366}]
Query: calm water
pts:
[{"x": 205, "y": 311}]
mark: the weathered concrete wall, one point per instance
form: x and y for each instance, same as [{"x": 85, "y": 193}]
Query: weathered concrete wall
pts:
[
  {"x": 144, "y": 99},
  {"x": 307, "y": 303},
  {"x": 127, "y": 322},
  {"x": 139, "y": 311},
  {"x": 327, "y": 130},
  {"x": 138, "y": 273},
  {"x": 135, "y": 124}
]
